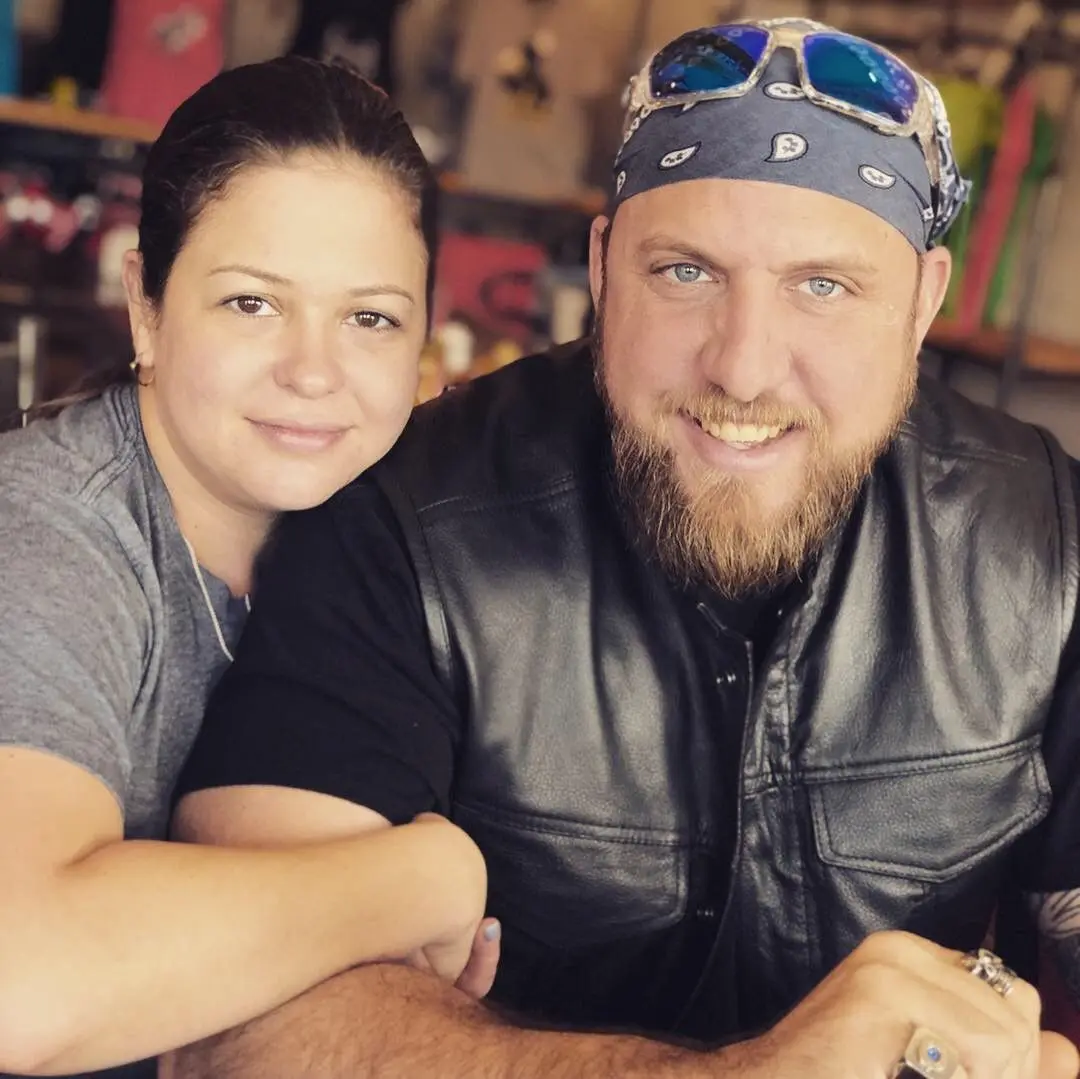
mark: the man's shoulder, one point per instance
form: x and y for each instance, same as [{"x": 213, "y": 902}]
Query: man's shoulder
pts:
[
  {"x": 977, "y": 463},
  {"x": 945, "y": 423},
  {"x": 546, "y": 392},
  {"x": 1007, "y": 487},
  {"x": 519, "y": 431}
]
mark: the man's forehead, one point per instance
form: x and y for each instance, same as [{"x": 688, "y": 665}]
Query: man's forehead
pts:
[{"x": 740, "y": 216}]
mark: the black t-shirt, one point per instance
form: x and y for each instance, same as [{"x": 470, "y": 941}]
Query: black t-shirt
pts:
[{"x": 333, "y": 688}]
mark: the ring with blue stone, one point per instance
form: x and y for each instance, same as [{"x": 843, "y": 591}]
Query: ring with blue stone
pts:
[{"x": 927, "y": 1056}]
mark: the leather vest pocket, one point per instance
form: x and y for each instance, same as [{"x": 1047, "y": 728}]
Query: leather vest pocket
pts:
[
  {"x": 570, "y": 885},
  {"x": 929, "y": 820}
]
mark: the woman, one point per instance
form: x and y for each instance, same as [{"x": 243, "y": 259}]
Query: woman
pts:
[{"x": 278, "y": 305}]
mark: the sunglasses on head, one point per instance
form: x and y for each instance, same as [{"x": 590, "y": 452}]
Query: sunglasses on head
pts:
[{"x": 837, "y": 71}]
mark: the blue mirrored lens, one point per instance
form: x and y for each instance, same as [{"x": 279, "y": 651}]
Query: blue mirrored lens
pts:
[
  {"x": 858, "y": 73},
  {"x": 719, "y": 58}
]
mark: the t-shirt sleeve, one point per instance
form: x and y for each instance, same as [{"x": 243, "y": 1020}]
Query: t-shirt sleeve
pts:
[
  {"x": 333, "y": 688},
  {"x": 73, "y": 634},
  {"x": 1049, "y": 859}
]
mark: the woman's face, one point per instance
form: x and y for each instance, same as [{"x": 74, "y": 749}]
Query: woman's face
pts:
[{"x": 283, "y": 359}]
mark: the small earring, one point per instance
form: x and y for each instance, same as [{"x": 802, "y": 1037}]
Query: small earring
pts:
[{"x": 138, "y": 369}]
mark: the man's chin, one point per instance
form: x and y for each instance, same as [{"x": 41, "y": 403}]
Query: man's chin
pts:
[
  {"x": 759, "y": 500},
  {"x": 736, "y": 533}
]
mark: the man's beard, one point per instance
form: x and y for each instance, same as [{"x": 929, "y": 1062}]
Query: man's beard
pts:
[{"x": 717, "y": 534}]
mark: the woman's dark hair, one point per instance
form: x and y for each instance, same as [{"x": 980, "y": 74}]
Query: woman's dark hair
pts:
[{"x": 261, "y": 114}]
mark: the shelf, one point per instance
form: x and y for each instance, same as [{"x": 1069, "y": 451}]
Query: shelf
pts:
[
  {"x": 98, "y": 125},
  {"x": 992, "y": 346}
]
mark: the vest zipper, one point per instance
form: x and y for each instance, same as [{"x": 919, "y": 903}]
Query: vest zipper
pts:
[{"x": 736, "y": 852}]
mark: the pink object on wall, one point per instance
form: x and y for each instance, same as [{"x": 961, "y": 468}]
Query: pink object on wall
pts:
[
  {"x": 467, "y": 262},
  {"x": 160, "y": 52}
]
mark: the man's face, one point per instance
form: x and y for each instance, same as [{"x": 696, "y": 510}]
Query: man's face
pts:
[{"x": 757, "y": 347}]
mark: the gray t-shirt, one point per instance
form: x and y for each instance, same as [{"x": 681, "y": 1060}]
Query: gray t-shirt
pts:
[{"x": 109, "y": 651}]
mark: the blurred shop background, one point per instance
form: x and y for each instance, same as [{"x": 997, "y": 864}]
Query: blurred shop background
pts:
[{"x": 516, "y": 102}]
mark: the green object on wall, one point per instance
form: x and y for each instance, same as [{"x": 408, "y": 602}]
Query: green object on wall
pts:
[
  {"x": 1043, "y": 148},
  {"x": 975, "y": 116}
]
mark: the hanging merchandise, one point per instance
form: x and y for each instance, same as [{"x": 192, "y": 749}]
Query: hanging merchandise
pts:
[
  {"x": 38, "y": 18},
  {"x": 426, "y": 89},
  {"x": 260, "y": 30},
  {"x": 80, "y": 45},
  {"x": 358, "y": 31},
  {"x": 160, "y": 52},
  {"x": 9, "y": 49},
  {"x": 533, "y": 66}
]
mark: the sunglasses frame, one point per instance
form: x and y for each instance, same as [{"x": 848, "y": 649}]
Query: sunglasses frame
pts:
[{"x": 926, "y": 120}]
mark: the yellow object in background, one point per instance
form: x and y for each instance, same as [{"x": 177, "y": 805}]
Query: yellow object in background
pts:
[
  {"x": 975, "y": 114},
  {"x": 65, "y": 92},
  {"x": 505, "y": 352},
  {"x": 432, "y": 379}
]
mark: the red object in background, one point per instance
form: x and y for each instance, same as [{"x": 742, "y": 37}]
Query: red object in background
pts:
[
  {"x": 994, "y": 216},
  {"x": 467, "y": 262},
  {"x": 160, "y": 52}
]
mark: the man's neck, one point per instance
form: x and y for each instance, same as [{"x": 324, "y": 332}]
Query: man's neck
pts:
[{"x": 225, "y": 538}]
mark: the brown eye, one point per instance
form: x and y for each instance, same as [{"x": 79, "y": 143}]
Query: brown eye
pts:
[
  {"x": 249, "y": 305},
  {"x": 372, "y": 320}
]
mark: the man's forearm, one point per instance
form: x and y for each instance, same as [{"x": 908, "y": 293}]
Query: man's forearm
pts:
[{"x": 390, "y": 1022}]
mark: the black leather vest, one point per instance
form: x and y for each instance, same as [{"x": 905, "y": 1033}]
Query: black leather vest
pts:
[{"x": 891, "y": 747}]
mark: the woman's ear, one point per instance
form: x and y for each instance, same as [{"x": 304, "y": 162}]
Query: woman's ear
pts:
[{"x": 140, "y": 311}]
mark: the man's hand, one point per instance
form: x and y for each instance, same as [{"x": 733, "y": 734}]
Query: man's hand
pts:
[
  {"x": 855, "y": 1025},
  {"x": 858, "y": 1021}
]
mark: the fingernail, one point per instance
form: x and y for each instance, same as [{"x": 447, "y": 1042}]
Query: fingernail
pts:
[{"x": 492, "y": 932}]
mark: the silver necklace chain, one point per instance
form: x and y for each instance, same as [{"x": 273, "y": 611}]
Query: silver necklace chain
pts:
[{"x": 206, "y": 599}]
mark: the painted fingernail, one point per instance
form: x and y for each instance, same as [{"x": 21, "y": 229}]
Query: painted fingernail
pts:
[{"x": 492, "y": 932}]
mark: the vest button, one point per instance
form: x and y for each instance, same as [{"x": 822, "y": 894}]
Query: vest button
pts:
[
  {"x": 728, "y": 679},
  {"x": 707, "y": 914}
]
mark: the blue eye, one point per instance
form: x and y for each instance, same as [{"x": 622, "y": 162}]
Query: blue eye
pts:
[
  {"x": 686, "y": 273},
  {"x": 824, "y": 288}
]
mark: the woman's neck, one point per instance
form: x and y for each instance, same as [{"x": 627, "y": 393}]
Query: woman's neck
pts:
[
  {"x": 225, "y": 538},
  {"x": 225, "y": 541}
]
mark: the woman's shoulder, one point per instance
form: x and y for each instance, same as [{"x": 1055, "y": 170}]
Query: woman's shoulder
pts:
[
  {"x": 79, "y": 450},
  {"x": 88, "y": 464}
]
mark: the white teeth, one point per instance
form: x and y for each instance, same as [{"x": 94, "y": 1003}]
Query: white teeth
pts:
[{"x": 743, "y": 434}]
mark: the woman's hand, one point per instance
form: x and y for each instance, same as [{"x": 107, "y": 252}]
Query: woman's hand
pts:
[{"x": 468, "y": 953}]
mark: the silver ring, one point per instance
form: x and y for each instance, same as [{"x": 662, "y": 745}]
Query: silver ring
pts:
[
  {"x": 989, "y": 968},
  {"x": 927, "y": 1056}
]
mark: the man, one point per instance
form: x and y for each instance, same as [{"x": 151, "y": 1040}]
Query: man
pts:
[{"x": 751, "y": 666}]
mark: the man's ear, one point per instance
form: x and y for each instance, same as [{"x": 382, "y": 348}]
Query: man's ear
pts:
[
  {"x": 933, "y": 285},
  {"x": 598, "y": 241}
]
